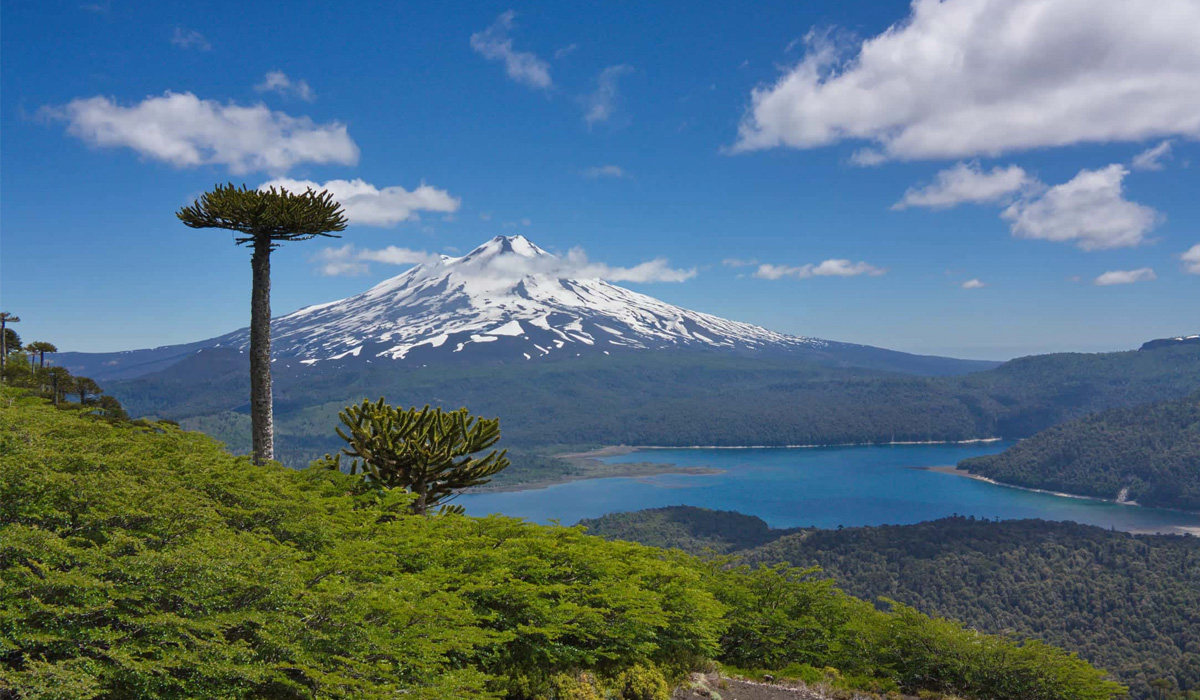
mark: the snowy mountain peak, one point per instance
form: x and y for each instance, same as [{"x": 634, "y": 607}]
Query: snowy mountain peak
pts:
[
  {"x": 504, "y": 245},
  {"x": 508, "y": 299}
]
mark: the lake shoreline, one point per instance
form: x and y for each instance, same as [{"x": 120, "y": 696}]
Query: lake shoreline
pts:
[
  {"x": 1171, "y": 530},
  {"x": 800, "y": 488},
  {"x": 616, "y": 450},
  {"x": 591, "y": 466},
  {"x": 955, "y": 471}
]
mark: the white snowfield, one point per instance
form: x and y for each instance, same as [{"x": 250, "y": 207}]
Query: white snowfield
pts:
[{"x": 506, "y": 289}]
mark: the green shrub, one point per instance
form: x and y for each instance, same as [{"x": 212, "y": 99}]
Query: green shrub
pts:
[
  {"x": 642, "y": 683},
  {"x": 144, "y": 561},
  {"x": 804, "y": 673},
  {"x": 779, "y": 616},
  {"x": 567, "y": 686}
]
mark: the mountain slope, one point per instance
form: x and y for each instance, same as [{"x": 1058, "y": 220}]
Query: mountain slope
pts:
[
  {"x": 1148, "y": 453},
  {"x": 681, "y": 398},
  {"x": 1129, "y": 603},
  {"x": 506, "y": 297},
  {"x": 507, "y": 301}
]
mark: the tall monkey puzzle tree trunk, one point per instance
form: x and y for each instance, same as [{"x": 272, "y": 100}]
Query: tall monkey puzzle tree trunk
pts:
[
  {"x": 265, "y": 218},
  {"x": 262, "y": 412},
  {"x": 5, "y": 319}
]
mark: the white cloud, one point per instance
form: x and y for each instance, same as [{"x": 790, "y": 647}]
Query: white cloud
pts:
[
  {"x": 738, "y": 262},
  {"x": 186, "y": 38},
  {"x": 828, "y": 268},
  {"x": 565, "y": 51},
  {"x": 967, "y": 183},
  {"x": 963, "y": 78},
  {"x": 368, "y": 205},
  {"x": 348, "y": 260},
  {"x": 1191, "y": 260},
  {"x": 185, "y": 131},
  {"x": 524, "y": 67},
  {"x": 278, "y": 81},
  {"x": 577, "y": 266},
  {"x": 601, "y": 104},
  {"x": 1152, "y": 158},
  {"x": 973, "y": 284},
  {"x": 1142, "y": 274},
  {"x": 1089, "y": 210},
  {"x": 613, "y": 171}
]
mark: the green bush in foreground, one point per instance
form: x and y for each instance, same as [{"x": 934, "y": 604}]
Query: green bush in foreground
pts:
[{"x": 145, "y": 562}]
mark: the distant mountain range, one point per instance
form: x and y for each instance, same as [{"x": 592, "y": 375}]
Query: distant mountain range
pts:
[
  {"x": 507, "y": 301},
  {"x": 1169, "y": 342},
  {"x": 564, "y": 361}
]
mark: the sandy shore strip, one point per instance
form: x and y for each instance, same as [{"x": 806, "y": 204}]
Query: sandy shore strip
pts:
[
  {"x": 1163, "y": 530},
  {"x": 627, "y": 449},
  {"x": 589, "y": 465},
  {"x": 963, "y": 472}
]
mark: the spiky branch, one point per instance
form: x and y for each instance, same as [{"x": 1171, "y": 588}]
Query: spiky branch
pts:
[
  {"x": 277, "y": 214},
  {"x": 429, "y": 452}
]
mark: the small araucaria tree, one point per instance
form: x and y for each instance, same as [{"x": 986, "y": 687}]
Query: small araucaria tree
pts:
[
  {"x": 85, "y": 387},
  {"x": 41, "y": 347},
  {"x": 265, "y": 219},
  {"x": 9, "y": 340},
  {"x": 429, "y": 452}
]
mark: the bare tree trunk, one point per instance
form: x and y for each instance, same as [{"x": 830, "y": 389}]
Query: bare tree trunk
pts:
[
  {"x": 3, "y": 348},
  {"x": 418, "y": 506},
  {"x": 262, "y": 421}
]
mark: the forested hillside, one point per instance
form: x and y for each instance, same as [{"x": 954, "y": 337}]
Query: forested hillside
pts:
[
  {"x": 1149, "y": 454},
  {"x": 1130, "y": 604},
  {"x": 677, "y": 398},
  {"x": 142, "y": 561}
]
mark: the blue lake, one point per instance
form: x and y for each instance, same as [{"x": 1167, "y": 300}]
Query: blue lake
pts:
[{"x": 821, "y": 487}]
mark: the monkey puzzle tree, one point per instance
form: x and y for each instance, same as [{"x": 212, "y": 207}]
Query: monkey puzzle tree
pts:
[
  {"x": 5, "y": 319},
  {"x": 428, "y": 452},
  {"x": 41, "y": 347},
  {"x": 86, "y": 386},
  {"x": 61, "y": 383},
  {"x": 110, "y": 407},
  {"x": 266, "y": 219}
]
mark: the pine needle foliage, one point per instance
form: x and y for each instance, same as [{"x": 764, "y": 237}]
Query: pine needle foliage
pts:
[
  {"x": 429, "y": 452},
  {"x": 274, "y": 213}
]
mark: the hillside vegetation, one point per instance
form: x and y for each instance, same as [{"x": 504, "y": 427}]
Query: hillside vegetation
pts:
[
  {"x": 1128, "y": 603},
  {"x": 1149, "y": 453},
  {"x": 142, "y": 561},
  {"x": 661, "y": 398}
]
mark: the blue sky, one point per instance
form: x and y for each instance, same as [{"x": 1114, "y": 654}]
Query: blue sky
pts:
[{"x": 1029, "y": 135}]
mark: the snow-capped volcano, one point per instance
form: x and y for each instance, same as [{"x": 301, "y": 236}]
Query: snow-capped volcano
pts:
[{"x": 509, "y": 299}]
